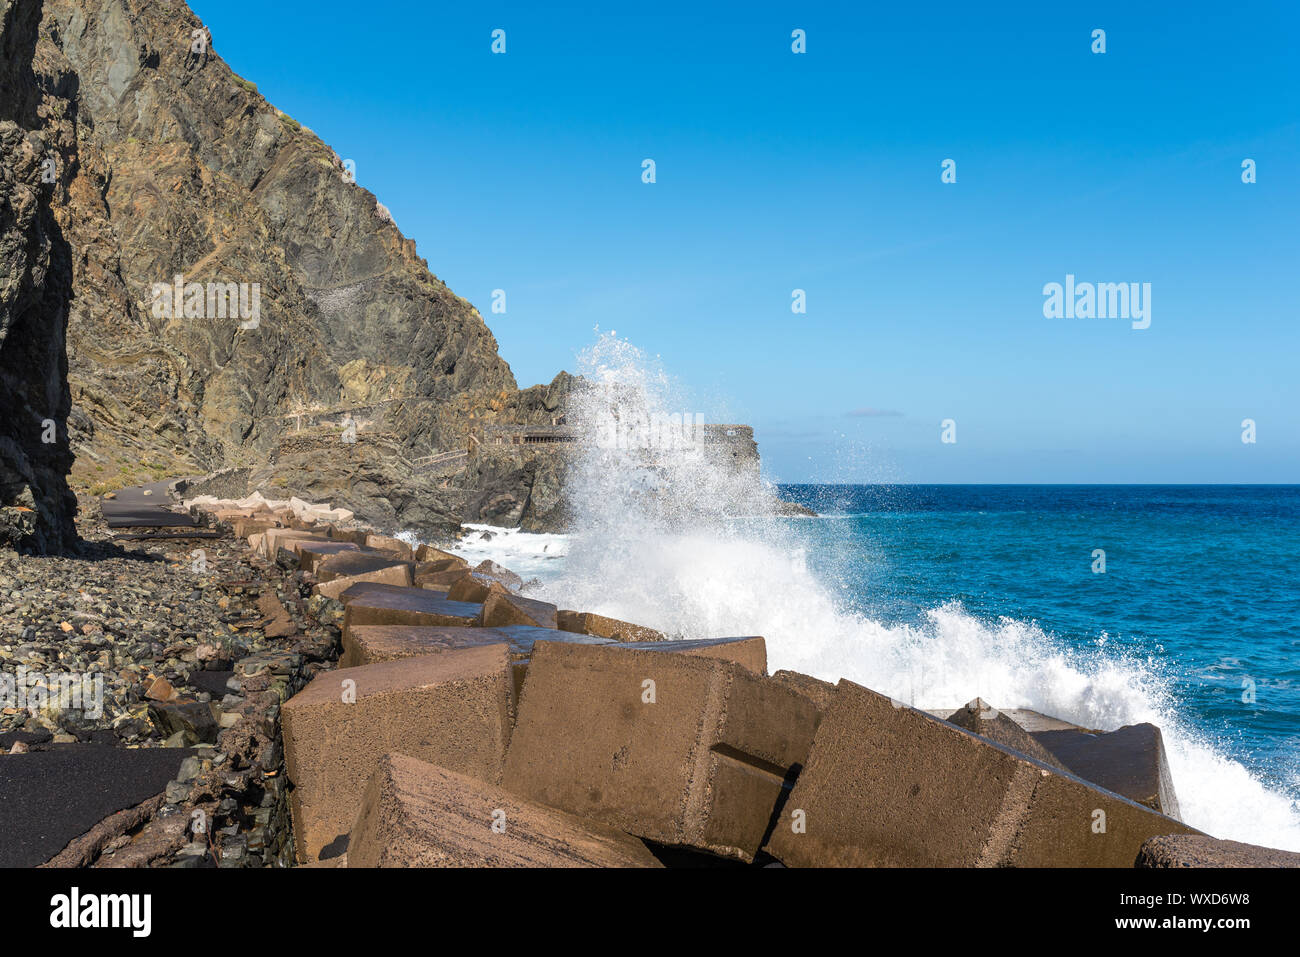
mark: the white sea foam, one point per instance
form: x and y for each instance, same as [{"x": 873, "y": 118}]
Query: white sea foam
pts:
[{"x": 672, "y": 561}]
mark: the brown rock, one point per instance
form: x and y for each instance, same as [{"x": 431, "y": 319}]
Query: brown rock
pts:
[
  {"x": 415, "y": 814},
  {"x": 353, "y": 563},
  {"x": 161, "y": 690}
]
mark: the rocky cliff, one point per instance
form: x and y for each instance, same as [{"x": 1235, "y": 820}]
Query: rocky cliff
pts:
[
  {"x": 36, "y": 506},
  {"x": 221, "y": 271}
]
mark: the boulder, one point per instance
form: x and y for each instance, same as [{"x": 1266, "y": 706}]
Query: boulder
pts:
[
  {"x": 889, "y": 786},
  {"x": 415, "y": 814},
  {"x": 194, "y": 720},
  {"x": 675, "y": 748},
  {"x": 451, "y": 709}
]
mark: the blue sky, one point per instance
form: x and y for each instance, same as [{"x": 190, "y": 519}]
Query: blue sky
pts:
[{"x": 821, "y": 171}]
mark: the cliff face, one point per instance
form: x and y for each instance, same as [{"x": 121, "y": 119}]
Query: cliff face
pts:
[
  {"x": 36, "y": 506},
  {"x": 171, "y": 166}
]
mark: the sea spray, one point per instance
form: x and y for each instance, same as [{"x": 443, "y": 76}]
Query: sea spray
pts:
[{"x": 680, "y": 545}]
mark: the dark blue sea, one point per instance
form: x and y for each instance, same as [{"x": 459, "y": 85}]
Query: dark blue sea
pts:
[{"x": 1200, "y": 587}]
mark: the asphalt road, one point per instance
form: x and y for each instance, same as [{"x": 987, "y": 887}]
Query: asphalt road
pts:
[{"x": 48, "y": 798}]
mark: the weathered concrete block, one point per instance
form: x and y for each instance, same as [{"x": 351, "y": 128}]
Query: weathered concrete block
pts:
[
  {"x": 374, "y": 604},
  {"x": 441, "y": 580},
  {"x": 490, "y": 569},
  {"x": 387, "y": 543},
  {"x": 451, "y": 708},
  {"x": 676, "y": 748},
  {"x": 350, "y": 563},
  {"x": 751, "y": 652},
  {"x": 414, "y": 814},
  {"x": 887, "y": 785},
  {"x": 398, "y": 575},
  {"x": 311, "y": 554},
  {"x": 1130, "y": 761},
  {"x": 1200, "y": 850},
  {"x": 363, "y": 644},
  {"x": 820, "y": 692},
  {"x": 588, "y": 623},
  {"x": 246, "y": 527},
  {"x": 470, "y": 587},
  {"x": 428, "y": 553},
  {"x": 979, "y": 717},
  {"x": 273, "y": 539},
  {"x": 367, "y": 644},
  {"x": 357, "y": 536},
  {"x": 506, "y": 609}
]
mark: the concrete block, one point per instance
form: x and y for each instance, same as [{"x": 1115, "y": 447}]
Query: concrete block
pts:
[
  {"x": 389, "y": 544},
  {"x": 978, "y": 717},
  {"x": 428, "y": 553},
  {"x": 820, "y": 692},
  {"x": 588, "y": 623},
  {"x": 357, "y": 536},
  {"x": 506, "y": 609},
  {"x": 311, "y": 554},
  {"x": 470, "y": 587},
  {"x": 414, "y": 814},
  {"x": 1200, "y": 850},
  {"x": 451, "y": 709},
  {"x": 490, "y": 569},
  {"x": 441, "y": 580},
  {"x": 364, "y": 644},
  {"x": 751, "y": 652},
  {"x": 397, "y": 575},
  {"x": 890, "y": 786},
  {"x": 273, "y": 539},
  {"x": 1130, "y": 761},
  {"x": 676, "y": 748},
  {"x": 347, "y": 564},
  {"x": 375, "y": 604}
]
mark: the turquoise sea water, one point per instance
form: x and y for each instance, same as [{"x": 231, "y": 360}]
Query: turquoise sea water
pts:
[{"x": 1201, "y": 584}]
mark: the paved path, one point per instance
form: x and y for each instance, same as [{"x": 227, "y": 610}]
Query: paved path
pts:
[
  {"x": 132, "y": 508},
  {"x": 49, "y": 798}
]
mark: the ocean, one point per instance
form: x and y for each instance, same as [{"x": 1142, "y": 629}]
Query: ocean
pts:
[
  {"x": 936, "y": 594},
  {"x": 1104, "y": 605}
]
